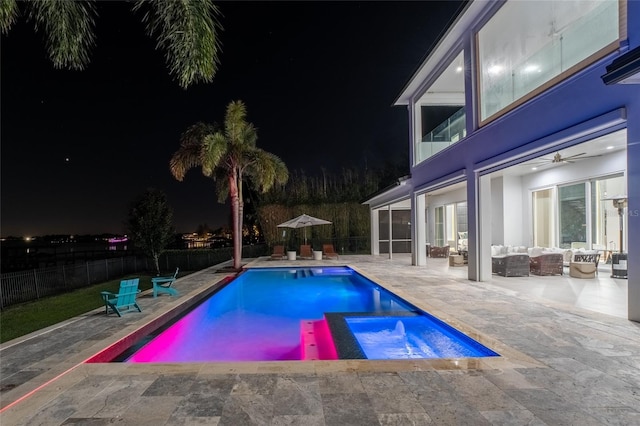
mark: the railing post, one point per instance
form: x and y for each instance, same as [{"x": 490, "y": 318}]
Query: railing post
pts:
[
  {"x": 88, "y": 275},
  {"x": 106, "y": 268},
  {"x": 64, "y": 277},
  {"x": 35, "y": 283}
]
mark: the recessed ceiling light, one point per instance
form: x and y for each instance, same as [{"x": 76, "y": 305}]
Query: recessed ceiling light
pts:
[
  {"x": 534, "y": 168},
  {"x": 495, "y": 69},
  {"x": 610, "y": 147},
  {"x": 458, "y": 69}
]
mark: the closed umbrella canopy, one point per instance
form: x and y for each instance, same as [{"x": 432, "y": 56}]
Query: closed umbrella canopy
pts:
[{"x": 303, "y": 221}]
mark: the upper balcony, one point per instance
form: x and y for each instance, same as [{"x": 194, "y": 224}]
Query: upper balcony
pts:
[{"x": 448, "y": 132}]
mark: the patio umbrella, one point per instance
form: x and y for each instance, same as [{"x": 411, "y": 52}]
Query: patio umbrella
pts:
[{"x": 303, "y": 221}]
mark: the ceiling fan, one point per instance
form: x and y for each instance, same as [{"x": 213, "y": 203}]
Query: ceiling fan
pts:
[{"x": 558, "y": 158}]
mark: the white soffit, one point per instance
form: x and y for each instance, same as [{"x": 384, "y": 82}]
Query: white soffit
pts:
[
  {"x": 452, "y": 37},
  {"x": 393, "y": 195}
]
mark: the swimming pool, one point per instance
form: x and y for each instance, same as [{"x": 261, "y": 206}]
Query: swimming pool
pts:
[{"x": 304, "y": 314}]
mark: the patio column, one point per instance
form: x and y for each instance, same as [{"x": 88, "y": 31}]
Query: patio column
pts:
[
  {"x": 633, "y": 209},
  {"x": 479, "y": 216},
  {"x": 418, "y": 232},
  {"x": 375, "y": 232},
  {"x": 390, "y": 232}
]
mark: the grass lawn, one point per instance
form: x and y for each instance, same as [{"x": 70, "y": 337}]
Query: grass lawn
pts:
[{"x": 18, "y": 320}]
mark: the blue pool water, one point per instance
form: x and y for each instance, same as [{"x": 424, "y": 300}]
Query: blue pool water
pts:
[{"x": 302, "y": 313}]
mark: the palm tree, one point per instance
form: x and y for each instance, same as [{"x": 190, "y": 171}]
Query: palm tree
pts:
[
  {"x": 185, "y": 30},
  {"x": 229, "y": 155}
]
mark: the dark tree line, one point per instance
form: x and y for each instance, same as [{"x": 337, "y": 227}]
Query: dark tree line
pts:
[{"x": 347, "y": 185}]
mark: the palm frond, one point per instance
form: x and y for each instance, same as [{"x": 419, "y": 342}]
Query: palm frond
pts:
[
  {"x": 212, "y": 156},
  {"x": 184, "y": 159},
  {"x": 8, "y": 14},
  {"x": 190, "y": 152},
  {"x": 249, "y": 135},
  {"x": 68, "y": 28},
  {"x": 266, "y": 170},
  {"x": 187, "y": 31},
  {"x": 235, "y": 121}
]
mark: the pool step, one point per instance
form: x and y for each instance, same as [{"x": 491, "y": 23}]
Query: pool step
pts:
[
  {"x": 309, "y": 344},
  {"x": 304, "y": 273},
  {"x": 316, "y": 341}
]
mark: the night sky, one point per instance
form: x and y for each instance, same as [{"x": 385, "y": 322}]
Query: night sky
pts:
[{"x": 318, "y": 80}]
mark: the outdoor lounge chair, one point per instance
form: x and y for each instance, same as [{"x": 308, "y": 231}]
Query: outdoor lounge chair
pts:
[
  {"x": 328, "y": 251},
  {"x": 305, "y": 252},
  {"x": 124, "y": 300},
  {"x": 163, "y": 285},
  {"x": 278, "y": 253}
]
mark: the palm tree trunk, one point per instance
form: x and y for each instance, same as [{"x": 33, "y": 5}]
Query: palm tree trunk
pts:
[
  {"x": 235, "y": 210},
  {"x": 240, "y": 210}
]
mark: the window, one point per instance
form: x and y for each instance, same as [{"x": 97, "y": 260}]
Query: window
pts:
[
  {"x": 441, "y": 114},
  {"x": 529, "y": 43}
]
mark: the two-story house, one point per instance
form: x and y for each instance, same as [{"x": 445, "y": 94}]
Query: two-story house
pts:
[{"x": 524, "y": 132}]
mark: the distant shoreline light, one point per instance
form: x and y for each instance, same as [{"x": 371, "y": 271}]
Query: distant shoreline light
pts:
[{"x": 116, "y": 240}]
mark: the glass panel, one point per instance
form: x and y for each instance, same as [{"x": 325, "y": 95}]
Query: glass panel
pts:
[
  {"x": 401, "y": 226},
  {"x": 605, "y": 222},
  {"x": 462, "y": 234},
  {"x": 542, "y": 218},
  {"x": 528, "y": 43},
  {"x": 383, "y": 225},
  {"x": 461, "y": 217},
  {"x": 450, "y": 223},
  {"x": 439, "y": 240},
  {"x": 384, "y": 247},
  {"x": 441, "y": 112},
  {"x": 573, "y": 215},
  {"x": 446, "y": 133},
  {"x": 401, "y": 246}
]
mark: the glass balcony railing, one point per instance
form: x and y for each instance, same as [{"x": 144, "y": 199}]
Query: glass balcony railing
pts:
[{"x": 443, "y": 135}]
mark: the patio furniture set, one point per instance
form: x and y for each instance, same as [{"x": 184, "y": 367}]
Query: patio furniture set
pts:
[{"x": 522, "y": 261}]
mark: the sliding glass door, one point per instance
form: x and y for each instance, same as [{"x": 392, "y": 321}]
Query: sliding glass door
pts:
[
  {"x": 606, "y": 221},
  {"x": 572, "y": 205},
  {"x": 543, "y": 229},
  {"x": 586, "y": 215}
]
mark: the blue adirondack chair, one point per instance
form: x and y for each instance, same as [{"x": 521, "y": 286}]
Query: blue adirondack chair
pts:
[
  {"x": 124, "y": 300},
  {"x": 163, "y": 285}
]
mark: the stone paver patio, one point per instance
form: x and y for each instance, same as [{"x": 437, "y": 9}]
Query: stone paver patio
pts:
[{"x": 561, "y": 365}]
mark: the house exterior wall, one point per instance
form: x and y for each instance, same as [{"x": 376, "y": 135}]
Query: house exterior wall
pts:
[{"x": 575, "y": 110}]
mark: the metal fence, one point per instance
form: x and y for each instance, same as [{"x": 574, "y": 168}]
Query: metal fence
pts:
[{"x": 24, "y": 286}]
